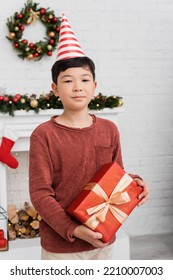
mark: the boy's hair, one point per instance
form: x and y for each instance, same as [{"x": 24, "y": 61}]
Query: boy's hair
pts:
[{"x": 62, "y": 65}]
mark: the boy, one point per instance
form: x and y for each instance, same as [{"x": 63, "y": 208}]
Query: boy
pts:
[{"x": 70, "y": 149}]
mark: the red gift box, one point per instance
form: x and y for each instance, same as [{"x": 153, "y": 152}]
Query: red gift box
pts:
[{"x": 106, "y": 201}]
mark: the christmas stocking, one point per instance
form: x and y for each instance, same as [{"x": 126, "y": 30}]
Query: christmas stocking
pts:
[{"x": 8, "y": 139}]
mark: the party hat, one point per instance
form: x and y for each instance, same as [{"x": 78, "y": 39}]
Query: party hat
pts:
[{"x": 68, "y": 45}]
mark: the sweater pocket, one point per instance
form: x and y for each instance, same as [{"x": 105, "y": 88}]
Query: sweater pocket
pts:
[{"x": 103, "y": 155}]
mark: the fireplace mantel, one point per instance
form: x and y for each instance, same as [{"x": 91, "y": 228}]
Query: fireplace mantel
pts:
[{"x": 23, "y": 123}]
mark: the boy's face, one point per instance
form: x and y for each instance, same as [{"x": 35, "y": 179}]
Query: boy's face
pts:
[{"x": 75, "y": 87}]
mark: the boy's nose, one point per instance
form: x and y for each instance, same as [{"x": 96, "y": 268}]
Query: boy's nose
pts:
[{"x": 77, "y": 87}]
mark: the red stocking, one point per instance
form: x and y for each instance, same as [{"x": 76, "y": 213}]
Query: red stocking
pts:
[{"x": 8, "y": 141}]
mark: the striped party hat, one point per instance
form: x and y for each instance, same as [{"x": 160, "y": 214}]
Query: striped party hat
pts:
[{"x": 68, "y": 45}]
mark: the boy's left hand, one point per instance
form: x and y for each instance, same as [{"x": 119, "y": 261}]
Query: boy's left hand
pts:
[{"x": 144, "y": 195}]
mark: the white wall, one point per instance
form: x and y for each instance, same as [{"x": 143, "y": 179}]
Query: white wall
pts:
[{"x": 131, "y": 43}]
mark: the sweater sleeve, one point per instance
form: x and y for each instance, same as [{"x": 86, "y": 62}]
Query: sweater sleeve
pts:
[{"x": 42, "y": 194}]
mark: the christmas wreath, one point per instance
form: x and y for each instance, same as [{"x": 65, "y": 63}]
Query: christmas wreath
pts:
[{"x": 30, "y": 14}]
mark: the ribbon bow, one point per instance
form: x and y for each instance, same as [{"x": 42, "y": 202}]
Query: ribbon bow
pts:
[
  {"x": 98, "y": 212},
  {"x": 33, "y": 16}
]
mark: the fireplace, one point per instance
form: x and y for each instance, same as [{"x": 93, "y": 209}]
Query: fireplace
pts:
[{"x": 23, "y": 123}]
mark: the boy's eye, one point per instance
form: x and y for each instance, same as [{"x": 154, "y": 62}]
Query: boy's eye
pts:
[
  {"x": 85, "y": 80},
  {"x": 68, "y": 81}
]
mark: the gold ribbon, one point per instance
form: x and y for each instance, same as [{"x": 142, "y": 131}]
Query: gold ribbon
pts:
[
  {"x": 117, "y": 197},
  {"x": 33, "y": 17}
]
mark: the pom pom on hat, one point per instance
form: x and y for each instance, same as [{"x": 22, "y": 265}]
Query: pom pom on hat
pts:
[{"x": 68, "y": 45}]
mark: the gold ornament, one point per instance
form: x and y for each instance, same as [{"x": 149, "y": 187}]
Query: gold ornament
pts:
[
  {"x": 33, "y": 103},
  {"x": 49, "y": 47},
  {"x": 22, "y": 100},
  {"x": 16, "y": 28},
  {"x": 51, "y": 34},
  {"x": 30, "y": 56},
  {"x": 11, "y": 35},
  {"x": 27, "y": 49},
  {"x": 50, "y": 16},
  {"x": 120, "y": 102}
]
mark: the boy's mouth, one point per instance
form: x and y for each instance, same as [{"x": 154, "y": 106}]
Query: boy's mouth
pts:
[{"x": 78, "y": 97}]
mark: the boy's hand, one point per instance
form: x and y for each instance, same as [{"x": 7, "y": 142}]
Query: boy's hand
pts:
[
  {"x": 89, "y": 236},
  {"x": 145, "y": 194}
]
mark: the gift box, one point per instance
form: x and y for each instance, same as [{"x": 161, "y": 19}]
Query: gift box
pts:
[
  {"x": 3, "y": 230},
  {"x": 106, "y": 201}
]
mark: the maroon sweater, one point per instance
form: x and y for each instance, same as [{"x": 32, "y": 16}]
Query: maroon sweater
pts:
[{"x": 62, "y": 162}]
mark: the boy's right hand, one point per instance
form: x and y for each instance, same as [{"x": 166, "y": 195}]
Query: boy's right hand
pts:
[{"x": 89, "y": 236}]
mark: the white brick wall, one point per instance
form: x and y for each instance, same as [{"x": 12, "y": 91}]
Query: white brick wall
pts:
[{"x": 131, "y": 43}]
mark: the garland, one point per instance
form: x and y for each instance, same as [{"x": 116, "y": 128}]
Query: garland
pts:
[
  {"x": 30, "y": 14},
  {"x": 10, "y": 103}
]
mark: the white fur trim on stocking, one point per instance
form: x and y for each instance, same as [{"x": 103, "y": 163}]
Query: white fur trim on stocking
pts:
[{"x": 10, "y": 134}]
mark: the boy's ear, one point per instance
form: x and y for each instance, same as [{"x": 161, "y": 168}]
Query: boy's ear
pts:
[{"x": 54, "y": 89}]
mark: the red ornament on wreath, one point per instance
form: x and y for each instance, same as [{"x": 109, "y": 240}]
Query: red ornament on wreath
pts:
[
  {"x": 22, "y": 27},
  {"x": 14, "y": 99},
  {"x": 42, "y": 11},
  {"x": 36, "y": 54},
  {"x": 18, "y": 96},
  {"x": 20, "y": 16},
  {"x": 49, "y": 53},
  {"x": 16, "y": 45},
  {"x": 51, "y": 41},
  {"x": 31, "y": 45},
  {"x": 6, "y": 98},
  {"x": 31, "y": 13},
  {"x": 25, "y": 42}
]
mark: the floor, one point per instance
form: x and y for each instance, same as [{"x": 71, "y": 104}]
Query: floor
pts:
[{"x": 152, "y": 247}]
